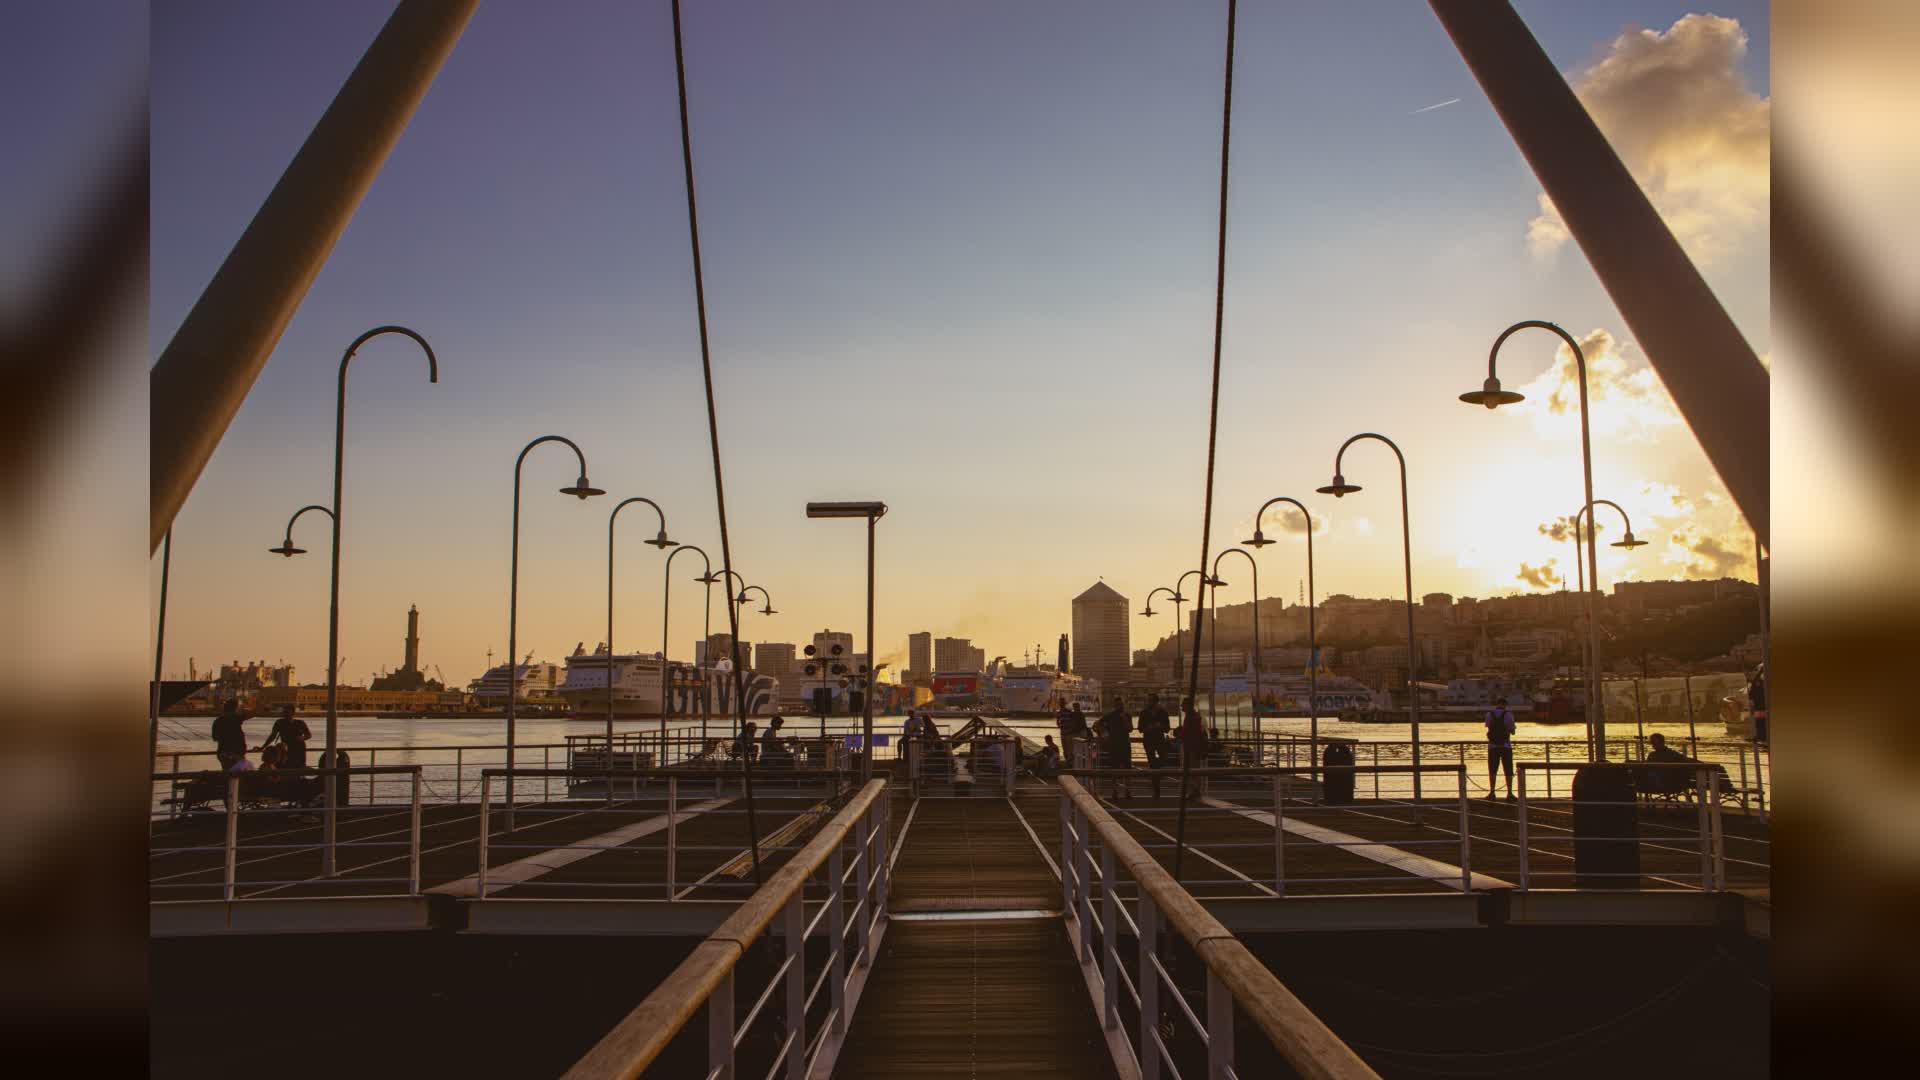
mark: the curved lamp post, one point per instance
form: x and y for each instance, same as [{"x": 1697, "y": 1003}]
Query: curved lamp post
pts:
[
  {"x": 1313, "y": 637},
  {"x": 660, "y": 541},
  {"x": 331, "y": 756},
  {"x": 1216, "y": 583},
  {"x": 709, "y": 579},
  {"x": 1629, "y": 542},
  {"x": 872, "y": 510},
  {"x": 579, "y": 489},
  {"x": 1148, "y": 612},
  {"x": 1492, "y": 396},
  {"x": 1179, "y": 662},
  {"x": 1340, "y": 489}
]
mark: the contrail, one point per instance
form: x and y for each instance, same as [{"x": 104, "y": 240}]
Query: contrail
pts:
[{"x": 1430, "y": 108}]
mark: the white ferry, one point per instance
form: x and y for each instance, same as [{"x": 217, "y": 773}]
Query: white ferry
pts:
[
  {"x": 536, "y": 682},
  {"x": 1289, "y": 695},
  {"x": 1042, "y": 691},
  {"x": 636, "y": 686}
]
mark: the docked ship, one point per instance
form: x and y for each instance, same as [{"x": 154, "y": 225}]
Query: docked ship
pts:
[
  {"x": 962, "y": 692},
  {"x": 635, "y": 679},
  {"x": 536, "y": 683},
  {"x": 1041, "y": 690},
  {"x": 1291, "y": 695}
]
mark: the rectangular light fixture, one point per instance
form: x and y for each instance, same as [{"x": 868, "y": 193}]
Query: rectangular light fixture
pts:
[{"x": 846, "y": 509}]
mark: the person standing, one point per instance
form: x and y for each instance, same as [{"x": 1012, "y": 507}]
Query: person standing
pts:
[
  {"x": 1757, "y": 701},
  {"x": 1155, "y": 726},
  {"x": 1116, "y": 738},
  {"x": 230, "y": 735},
  {"x": 1500, "y": 729},
  {"x": 292, "y": 733},
  {"x": 1193, "y": 741},
  {"x": 1076, "y": 730}
]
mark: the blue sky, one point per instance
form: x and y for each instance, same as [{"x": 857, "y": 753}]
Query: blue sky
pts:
[{"x": 959, "y": 257}]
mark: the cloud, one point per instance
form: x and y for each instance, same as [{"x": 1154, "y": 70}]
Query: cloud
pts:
[
  {"x": 1562, "y": 530},
  {"x": 1543, "y": 576},
  {"x": 1625, "y": 401},
  {"x": 1677, "y": 110}
]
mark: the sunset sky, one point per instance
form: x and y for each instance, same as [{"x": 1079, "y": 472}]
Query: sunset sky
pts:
[{"x": 959, "y": 257}]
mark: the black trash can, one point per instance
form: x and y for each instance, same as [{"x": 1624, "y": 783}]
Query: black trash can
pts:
[
  {"x": 1336, "y": 774},
  {"x": 340, "y": 782},
  {"x": 1606, "y": 848}
]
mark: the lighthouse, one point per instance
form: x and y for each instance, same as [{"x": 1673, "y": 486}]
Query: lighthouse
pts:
[{"x": 413, "y": 639}]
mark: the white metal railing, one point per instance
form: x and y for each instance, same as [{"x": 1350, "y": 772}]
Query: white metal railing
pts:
[
  {"x": 934, "y": 765},
  {"x": 287, "y": 803},
  {"x": 850, "y": 856},
  {"x": 616, "y": 828},
  {"x": 1236, "y": 981}
]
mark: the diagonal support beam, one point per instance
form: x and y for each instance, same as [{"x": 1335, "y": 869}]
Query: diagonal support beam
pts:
[
  {"x": 1708, "y": 367},
  {"x": 209, "y": 367}
]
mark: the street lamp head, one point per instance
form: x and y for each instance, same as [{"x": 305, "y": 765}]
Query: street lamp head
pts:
[
  {"x": 768, "y": 610},
  {"x": 1491, "y": 395},
  {"x": 868, "y": 509},
  {"x": 1339, "y": 488},
  {"x": 581, "y": 489},
  {"x": 1178, "y": 599},
  {"x": 1148, "y": 612},
  {"x": 709, "y": 579},
  {"x": 661, "y": 541},
  {"x": 287, "y": 549},
  {"x": 1628, "y": 541},
  {"x": 1259, "y": 540},
  {"x": 1213, "y": 582}
]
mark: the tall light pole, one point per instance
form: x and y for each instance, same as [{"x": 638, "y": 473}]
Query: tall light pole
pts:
[
  {"x": 660, "y": 541},
  {"x": 159, "y": 650},
  {"x": 1179, "y": 661},
  {"x": 1215, "y": 585},
  {"x": 872, "y": 511},
  {"x": 1492, "y": 396},
  {"x": 709, "y": 579},
  {"x": 580, "y": 489},
  {"x": 1313, "y": 637},
  {"x": 1596, "y": 722},
  {"x": 331, "y": 757},
  {"x": 1340, "y": 489}
]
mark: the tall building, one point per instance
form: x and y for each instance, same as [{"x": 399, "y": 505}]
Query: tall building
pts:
[
  {"x": 1065, "y": 663},
  {"x": 953, "y": 654},
  {"x": 774, "y": 658},
  {"x": 976, "y": 659},
  {"x": 1100, "y": 635},
  {"x": 920, "y": 655}
]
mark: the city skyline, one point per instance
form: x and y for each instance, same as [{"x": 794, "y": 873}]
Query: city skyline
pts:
[{"x": 1066, "y": 270}]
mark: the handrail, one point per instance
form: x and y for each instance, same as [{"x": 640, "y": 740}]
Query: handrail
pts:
[
  {"x": 1301, "y": 1037},
  {"x": 644, "y": 1033}
]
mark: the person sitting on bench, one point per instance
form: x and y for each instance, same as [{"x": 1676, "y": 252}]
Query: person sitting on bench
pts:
[{"x": 1046, "y": 765}]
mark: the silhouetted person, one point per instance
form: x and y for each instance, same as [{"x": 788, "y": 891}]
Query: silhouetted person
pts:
[
  {"x": 1116, "y": 740},
  {"x": 230, "y": 735},
  {"x": 1046, "y": 764},
  {"x": 1074, "y": 730},
  {"x": 1155, "y": 728},
  {"x": 1757, "y": 701},
  {"x": 1500, "y": 728},
  {"x": 773, "y": 747},
  {"x": 743, "y": 743},
  {"x": 1193, "y": 741},
  {"x": 292, "y": 734}
]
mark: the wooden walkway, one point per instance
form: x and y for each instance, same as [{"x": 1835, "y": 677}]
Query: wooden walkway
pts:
[{"x": 975, "y": 976}]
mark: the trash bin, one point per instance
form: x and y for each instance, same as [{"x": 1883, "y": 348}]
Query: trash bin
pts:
[
  {"x": 1336, "y": 773},
  {"x": 342, "y": 781},
  {"x": 1606, "y": 848}
]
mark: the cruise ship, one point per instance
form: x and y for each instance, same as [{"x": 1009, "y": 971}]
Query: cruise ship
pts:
[
  {"x": 537, "y": 683},
  {"x": 1288, "y": 695},
  {"x": 1043, "y": 690},
  {"x": 636, "y": 686}
]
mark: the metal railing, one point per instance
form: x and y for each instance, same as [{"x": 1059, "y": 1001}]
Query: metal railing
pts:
[
  {"x": 990, "y": 763},
  {"x": 277, "y": 797},
  {"x": 1236, "y": 981},
  {"x": 706, "y": 978},
  {"x": 778, "y": 831},
  {"x": 1701, "y": 787}
]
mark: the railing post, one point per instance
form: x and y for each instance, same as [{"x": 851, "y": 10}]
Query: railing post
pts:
[
  {"x": 1466, "y": 834},
  {"x": 373, "y": 758},
  {"x": 1549, "y": 745},
  {"x": 796, "y": 933},
  {"x": 1149, "y": 920},
  {"x": 837, "y": 924},
  {"x": 673, "y": 828},
  {"x": 486, "y": 796},
  {"x": 720, "y": 1029},
  {"x": 1719, "y": 834},
  {"x": 1219, "y": 1028},
  {"x": 1702, "y": 783},
  {"x": 1083, "y": 868},
  {"x": 1279, "y": 840},
  {"x": 173, "y": 787},
  {"x": 1759, "y": 782},
  {"x": 1376, "y": 771},
  {"x": 1066, "y": 851},
  {"x": 1741, "y": 753},
  {"x": 459, "y": 775},
  {"x": 233, "y": 830},
  {"x": 1522, "y": 817},
  {"x": 413, "y": 839},
  {"x": 1110, "y": 931},
  {"x": 886, "y": 872},
  {"x": 546, "y": 774},
  {"x": 864, "y": 890}
]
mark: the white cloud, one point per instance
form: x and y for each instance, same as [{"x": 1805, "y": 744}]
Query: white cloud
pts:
[
  {"x": 1626, "y": 401},
  {"x": 1677, "y": 110}
]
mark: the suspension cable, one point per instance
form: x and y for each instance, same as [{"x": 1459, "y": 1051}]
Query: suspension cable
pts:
[
  {"x": 1213, "y": 428},
  {"x": 713, "y": 433}
]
